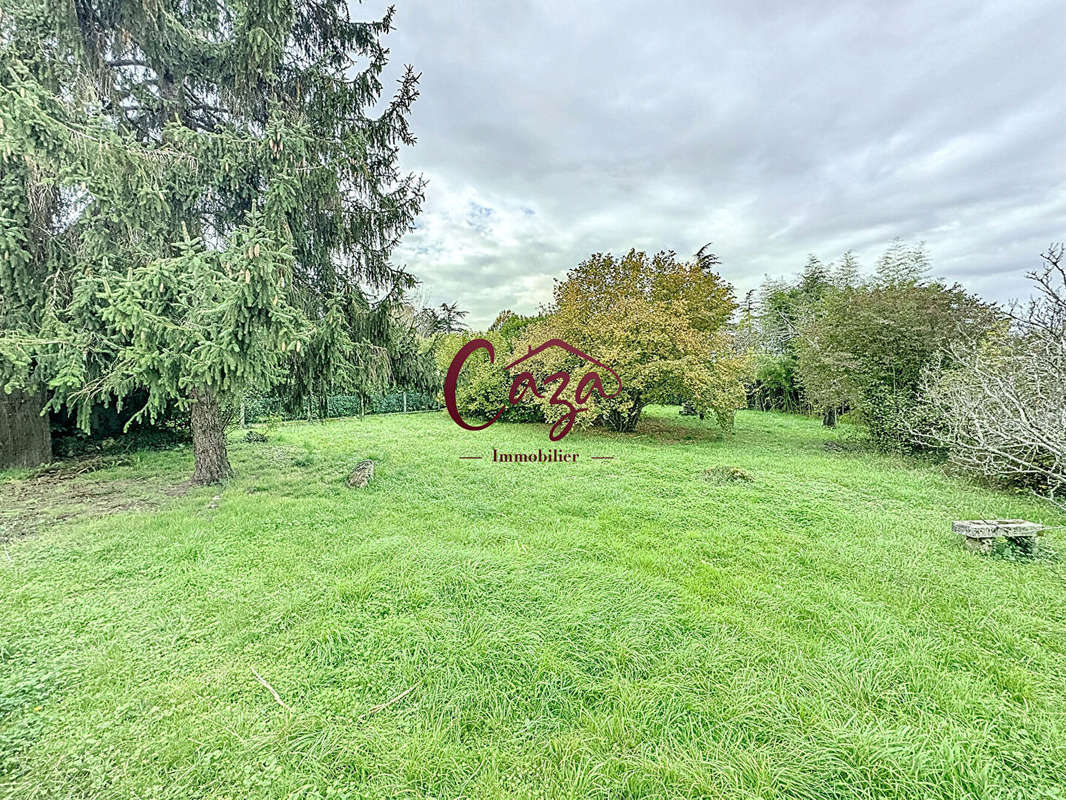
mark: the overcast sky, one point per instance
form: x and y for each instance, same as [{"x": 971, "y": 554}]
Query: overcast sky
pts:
[{"x": 552, "y": 130}]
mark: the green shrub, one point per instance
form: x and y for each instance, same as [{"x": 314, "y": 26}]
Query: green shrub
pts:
[{"x": 484, "y": 387}]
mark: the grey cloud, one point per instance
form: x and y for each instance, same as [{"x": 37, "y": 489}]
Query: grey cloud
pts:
[{"x": 551, "y": 130}]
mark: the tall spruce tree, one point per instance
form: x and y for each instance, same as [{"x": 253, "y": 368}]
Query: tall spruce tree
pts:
[
  {"x": 31, "y": 242},
  {"x": 901, "y": 264},
  {"x": 814, "y": 279},
  {"x": 848, "y": 273},
  {"x": 232, "y": 203}
]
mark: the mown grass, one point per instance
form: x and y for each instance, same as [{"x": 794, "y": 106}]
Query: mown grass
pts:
[{"x": 608, "y": 629}]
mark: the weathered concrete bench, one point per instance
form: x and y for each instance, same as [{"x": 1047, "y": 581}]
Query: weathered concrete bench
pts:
[{"x": 982, "y": 533}]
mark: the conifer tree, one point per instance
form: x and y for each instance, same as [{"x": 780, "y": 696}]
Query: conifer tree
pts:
[
  {"x": 233, "y": 202},
  {"x": 900, "y": 264},
  {"x": 814, "y": 279},
  {"x": 848, "y": 273},
  {"x": 31, "y": 247}
]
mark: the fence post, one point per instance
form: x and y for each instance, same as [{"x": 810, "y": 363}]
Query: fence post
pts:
[{"x": 405, "y": 402}]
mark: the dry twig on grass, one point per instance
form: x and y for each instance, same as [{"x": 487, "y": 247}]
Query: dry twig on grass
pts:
[
  {"x": 272, "y": 690},
  {"x": 387, "y": 703}
]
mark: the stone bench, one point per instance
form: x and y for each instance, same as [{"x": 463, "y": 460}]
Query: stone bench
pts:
[{"x": 982, "y": 533}]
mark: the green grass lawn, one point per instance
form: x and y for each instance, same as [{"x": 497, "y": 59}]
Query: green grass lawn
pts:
[{"x": 606, "y": 629}]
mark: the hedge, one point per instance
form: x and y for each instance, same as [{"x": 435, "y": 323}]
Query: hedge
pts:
[{"x": 258, "y": 409}]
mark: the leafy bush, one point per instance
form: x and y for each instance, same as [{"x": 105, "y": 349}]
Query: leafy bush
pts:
[
  {"x": 484, "y": 387},
  {"x": 660, "y": 323},
  {"x": 260, "y": 409},
  {"x": 772, "y": 324},
  {"x": 866, "y": 347},
  {"x": 394, "y": 403},
  {"x": 776, "y": 387},
  {"x": 345, "y": 405}
]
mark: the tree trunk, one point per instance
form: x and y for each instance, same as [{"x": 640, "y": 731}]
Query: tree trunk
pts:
[
  {"x": 209, "y": 439},
  {"x": 829, "y": 419},
  {"x": 623, "y": 421},
  {"x": 25, "y": 435}
]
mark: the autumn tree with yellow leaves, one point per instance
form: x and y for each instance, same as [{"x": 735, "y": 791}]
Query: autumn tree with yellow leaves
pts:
[{"x": 661, "y": 323}]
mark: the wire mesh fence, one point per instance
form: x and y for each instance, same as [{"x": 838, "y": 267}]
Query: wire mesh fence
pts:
[{"x": 262, "y": 409}]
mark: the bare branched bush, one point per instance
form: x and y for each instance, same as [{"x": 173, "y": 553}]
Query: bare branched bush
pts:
[{"x": 1000, "y": 411}]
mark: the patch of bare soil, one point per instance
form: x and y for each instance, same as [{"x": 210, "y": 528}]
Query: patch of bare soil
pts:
[
  {"x": 668, "y": 431},
  {"x": 65, "y": 490}
]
